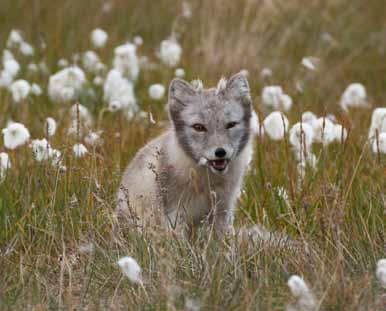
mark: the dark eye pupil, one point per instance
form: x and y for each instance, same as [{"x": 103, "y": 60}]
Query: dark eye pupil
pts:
[
  {"x": 231, "y": 124},
  {"x": 199, "y": 127}
]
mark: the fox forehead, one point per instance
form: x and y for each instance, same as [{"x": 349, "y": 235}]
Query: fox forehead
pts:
[{"x": 208, "y": 107}]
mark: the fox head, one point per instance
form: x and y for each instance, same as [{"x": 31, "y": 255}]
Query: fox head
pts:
[{"x": 212, "y": 126}]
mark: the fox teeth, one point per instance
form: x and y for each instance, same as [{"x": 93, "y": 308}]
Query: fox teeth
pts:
[{"x": 203, "y": 161}]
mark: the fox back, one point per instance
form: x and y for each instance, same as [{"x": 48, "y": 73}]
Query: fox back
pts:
[{"x": 192, "y": 174}]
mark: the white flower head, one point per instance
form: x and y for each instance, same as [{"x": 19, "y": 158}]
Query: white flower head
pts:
[
  {"x": 15, "y": 135},
  {"x": 310, "y": 62},
  {"x": 98, "y": 81},
  {"x": 309, "y": 117},
  {"x": 156, "y": 91},
  {"x": 5, "y": 164},
  {"x": 266, "y": 73},
  {"x": 186, "y": 11},
  {"x": 138, "y": 41},
  {"x": 170, "y": 52},
  {"x": 50, "y": 127},
  {"x": 256, "y": 129},
  {"x": 12, "y": 67},
  {"x": 304, "y": 297},
  {"x": 379, "y": 144},
  {"x": 79, "y": 150},
  {"x": 324, "y": 131},
  {"x": 381, "y": 272},
  {"x": 99, "y": 38},
  {"x": 20, "y": 90},
  {"x": 41, "y": 149},
  {"x": 130, "y": 268},
  {"x": 26, "y": 49},
  {"x": 93, "y": 139},
  {"x": 5, "y": 79},
  {"x": 7, "y": 55},
  {"x": 62, "y": 63},
  {"x": 378, "y": 122},
  {"x": 301, "y": 136},
  {"x": 14, "y": 39},
  {"x": 66, "y": 84},
  {"x": 354, "y": 96},
  {"x": 36, "y": 89},
  {"x": 126, "y": 61},
  {"x": 276, "y": 125},
  {"x": 340, "y": 133},
  {"x": 274, "y": 97},
  {"x": 118, "y": 92},
  {"x": 90, "y": 61},
  {"x": 179, "y": 73}
]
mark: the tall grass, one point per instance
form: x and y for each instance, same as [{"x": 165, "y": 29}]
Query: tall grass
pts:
[{"x": 59, "y": 240}]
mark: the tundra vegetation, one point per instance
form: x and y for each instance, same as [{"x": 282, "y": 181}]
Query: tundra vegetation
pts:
[{"x": 83, "y": 85}]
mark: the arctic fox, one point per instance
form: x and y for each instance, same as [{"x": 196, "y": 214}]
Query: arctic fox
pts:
[{"x": 193, "y": 173}]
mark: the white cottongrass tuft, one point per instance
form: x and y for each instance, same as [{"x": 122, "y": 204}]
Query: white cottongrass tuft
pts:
[
  {"x": 170, "y": 52},
  {"x": 11, "y": 66},
  {"x": 301, "y": 136},
  {"x": 14, "y": 39},
  {"x": 5, "y": 164},
  {"x": 126, "y": 61},
  {"x": 5, "y": 79},
  {"x": 179, "y": 73},
  {"x": 380, "y": 272},
  {"x": 340, "y": 133},
  {"x": 62, "y": 63},
  {"x": 20, "y": 90},
  {"x": 256, "y": 129},
  {"x": 275, "y": 125},
  {"x": 310, "y": 62},
  {"x": 274, "y": 97},
  {"x": 79, "y": 150},
  {"x": 130, "y": 268},
  {"x": 118, "y": 92},
  {"x": 379, "y": 143},
  {"x": 309, "y": 117},
  {"x": 378, "y": 122},
  {"x": 81, "y": 120},
  {"x": 93, "y": 139},
  {"x": 66, "y": 84},
  {"x": 266, "y": 73},
  {"x": 324, "y": 131},
  {"x": 304, "y": 298},
  {"x": 41, "y": 149},
  {"x": 36, "y": 89},
  {"x": 137, "y": 40},
  {"x": 99, "y": 38},
  {"x": 15, "y": 135},
  {"x": 26, "y": 49},
  {"x": 156, "y": 91},
  {"x": 91, "y": 61},
  {"x": 354, "y": 96},
  {"x": 50, "y": 127}
]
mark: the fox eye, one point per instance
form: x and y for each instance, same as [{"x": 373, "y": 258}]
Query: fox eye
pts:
[
  {"x": 199, "y": 127},
  {"x": 230, "y": 125}
]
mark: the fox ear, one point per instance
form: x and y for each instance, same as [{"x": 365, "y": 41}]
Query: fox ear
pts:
[
  {"x": 238, "y": 86},
  {"x": 180, "y": 94}
]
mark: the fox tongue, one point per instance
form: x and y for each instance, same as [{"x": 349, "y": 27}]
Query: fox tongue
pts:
[{"x": 218, "y": 164}]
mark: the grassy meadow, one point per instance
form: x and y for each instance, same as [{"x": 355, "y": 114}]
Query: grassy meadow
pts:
[{"x": 59, "y": 238}]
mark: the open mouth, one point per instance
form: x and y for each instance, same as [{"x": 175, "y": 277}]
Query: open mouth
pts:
[{"x": 219, "y": 165}]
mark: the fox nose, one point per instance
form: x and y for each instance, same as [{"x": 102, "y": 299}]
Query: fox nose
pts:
[{"x": 220, "y": 152}]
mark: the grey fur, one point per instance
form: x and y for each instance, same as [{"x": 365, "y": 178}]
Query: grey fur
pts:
[{"x": 166, "y": 183}]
